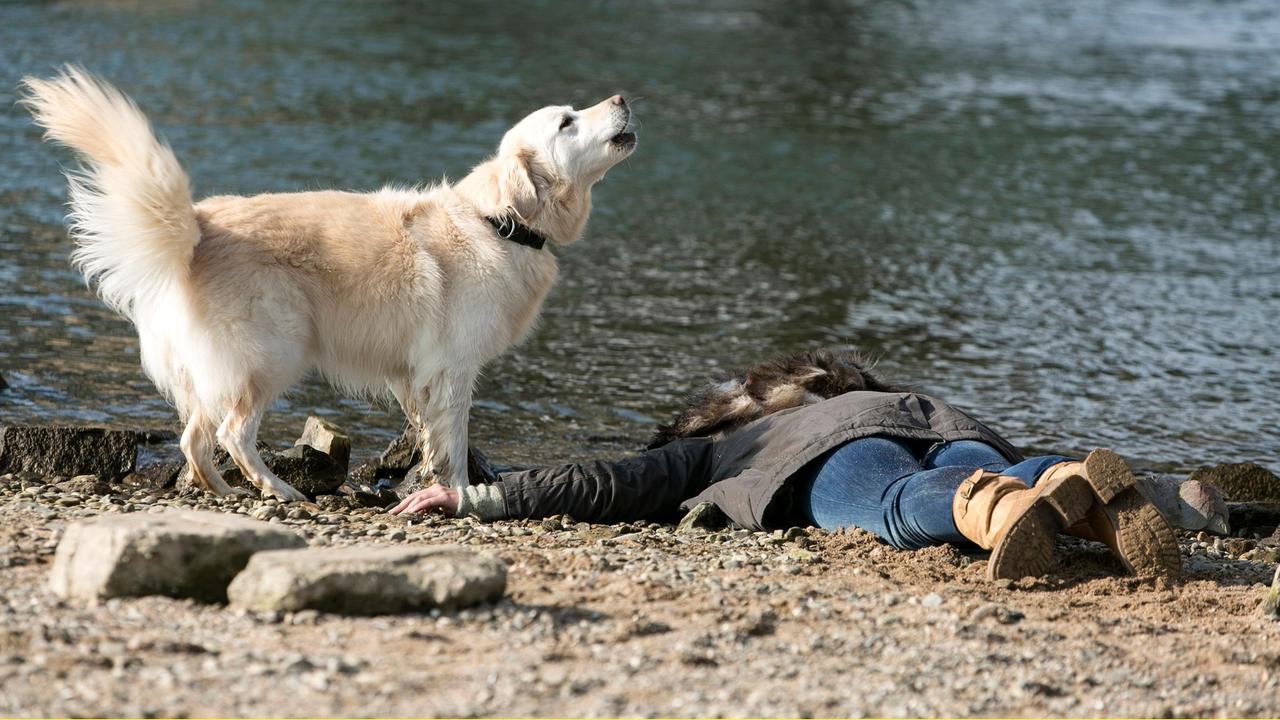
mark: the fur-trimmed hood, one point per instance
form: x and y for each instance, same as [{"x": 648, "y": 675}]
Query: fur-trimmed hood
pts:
[{"x": 744, "y": 396}]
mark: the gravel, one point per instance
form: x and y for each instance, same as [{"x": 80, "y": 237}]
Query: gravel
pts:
[{"x": 640, "y": 620}]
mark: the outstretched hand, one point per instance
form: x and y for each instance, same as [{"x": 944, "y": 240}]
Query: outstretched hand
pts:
[{"x": 434, "y": 497}]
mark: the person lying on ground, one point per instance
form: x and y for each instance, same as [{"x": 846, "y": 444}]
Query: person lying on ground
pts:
[{"x": 817, "y": 440}]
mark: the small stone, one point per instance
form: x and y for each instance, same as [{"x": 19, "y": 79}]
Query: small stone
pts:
[
  {"x": 328, "y": 439},
  {"x": 1271, "y": 603},
  {"x": 1237, "y": 546},
  {"x": 176, "y": 553},
  {"x": 155, "y": 476},
  {"x": 598, "y": 533},
  {"x": 81, "y": 485},
  {"x": 368, "y": 580},
  {"x": 703, "y": 515},
  {"x": 931, "y": 600},
  {"x": 304, "y": 617},
  {"x": 1267, "y": 554},
  {"x": 999, "y": 613},
  {"x": 802, "y": 555},
  {"x": 758, "y": 623},
  {"x": 644, "y": 628}
]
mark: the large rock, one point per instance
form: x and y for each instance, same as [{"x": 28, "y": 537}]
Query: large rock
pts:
[
  {"x": 368, "y": 580},
  {"x": 1190, "y": 505},
  {"x": 177, "y": 553},
  {"x": 328, "y": 439},
  {"x": 68, "y": 451},
  {"x": 1242, "y": 482},
  {"x": 1254, "y": 515},
  {"x": 308, "y": 470},
  {"x": 403, "y": 455}
]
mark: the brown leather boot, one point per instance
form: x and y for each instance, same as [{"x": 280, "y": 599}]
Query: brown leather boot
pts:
[
  {"x": 1124, "y": 519},
  {"x": 1016, "y": 523}
]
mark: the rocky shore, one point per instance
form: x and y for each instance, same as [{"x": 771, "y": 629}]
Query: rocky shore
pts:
[{"x": 640, "y": 619}]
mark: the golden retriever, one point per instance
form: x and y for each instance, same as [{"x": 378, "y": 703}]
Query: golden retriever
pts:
[{"x": 401, "y": 291}]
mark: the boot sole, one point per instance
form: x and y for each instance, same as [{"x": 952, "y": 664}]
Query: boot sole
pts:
[
  {"x": 1145, "y": 542},
  {"x": 1028, "y": 545},
  {"x": 1108, "y": 474}
]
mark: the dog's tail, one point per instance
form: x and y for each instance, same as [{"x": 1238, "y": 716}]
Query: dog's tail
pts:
[{"x": 131, "y": 212}]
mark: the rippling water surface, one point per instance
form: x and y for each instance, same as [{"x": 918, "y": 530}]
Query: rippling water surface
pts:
[{"x": 1062, "y": 216}]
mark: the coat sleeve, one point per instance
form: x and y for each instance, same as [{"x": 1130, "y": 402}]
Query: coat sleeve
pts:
[{"x": 649, "y": 486}]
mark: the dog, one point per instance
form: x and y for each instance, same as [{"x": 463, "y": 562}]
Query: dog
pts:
[
  {"x": 406, "y": 292},
  {"x": 747, "y": 395}
]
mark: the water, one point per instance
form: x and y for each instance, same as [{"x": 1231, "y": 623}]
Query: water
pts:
[{"x": 1060, "y": 216}]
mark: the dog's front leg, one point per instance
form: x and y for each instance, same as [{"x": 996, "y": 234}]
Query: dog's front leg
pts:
[
  {"x": 413, "y": 403},
  {"x": 443, "y": 435}
]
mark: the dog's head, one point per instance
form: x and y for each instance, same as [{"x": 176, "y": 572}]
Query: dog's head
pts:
[{"x": 548, "y": 162}]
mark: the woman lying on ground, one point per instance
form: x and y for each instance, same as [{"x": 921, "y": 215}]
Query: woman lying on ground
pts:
[{"x": 817, "y": 440}]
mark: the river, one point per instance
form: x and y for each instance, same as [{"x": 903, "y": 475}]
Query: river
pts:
[{"x": 1061, "y": 216}]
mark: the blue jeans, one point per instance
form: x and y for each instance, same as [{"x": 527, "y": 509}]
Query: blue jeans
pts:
[{"x": 880, "y": 485}]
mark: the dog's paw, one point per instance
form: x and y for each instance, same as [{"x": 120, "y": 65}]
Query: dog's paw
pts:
[{"x": 284, "y": 493}]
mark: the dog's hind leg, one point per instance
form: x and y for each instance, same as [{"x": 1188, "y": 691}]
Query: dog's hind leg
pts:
[
  {"x": 238, "y": 434},
  {"x": 197, "y": 445}
]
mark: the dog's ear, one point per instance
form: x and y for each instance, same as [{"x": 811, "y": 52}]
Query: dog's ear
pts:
[{"x": 516, "y": 186}]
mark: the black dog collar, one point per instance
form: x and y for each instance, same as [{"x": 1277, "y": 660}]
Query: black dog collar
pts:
[{"x": 509, "y": 229}]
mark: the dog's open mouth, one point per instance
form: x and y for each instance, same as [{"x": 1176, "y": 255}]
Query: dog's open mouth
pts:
[{"x": 624, "y": 139}]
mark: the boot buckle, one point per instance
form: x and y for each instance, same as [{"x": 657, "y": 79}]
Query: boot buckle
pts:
[{"x": 968, "y": 488}]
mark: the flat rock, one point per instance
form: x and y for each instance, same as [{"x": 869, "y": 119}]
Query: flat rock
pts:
[
  {"x": 177, "y": 553},
  {"x": 365, "y": 580},
  {"x": 68, "y": 451},
  {"x": 328, "y": 439},
  {"x": 1242, "y": 482}
]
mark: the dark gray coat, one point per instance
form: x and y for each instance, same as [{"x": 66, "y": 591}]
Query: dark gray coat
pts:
[{"x": 745, "y": 474}]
